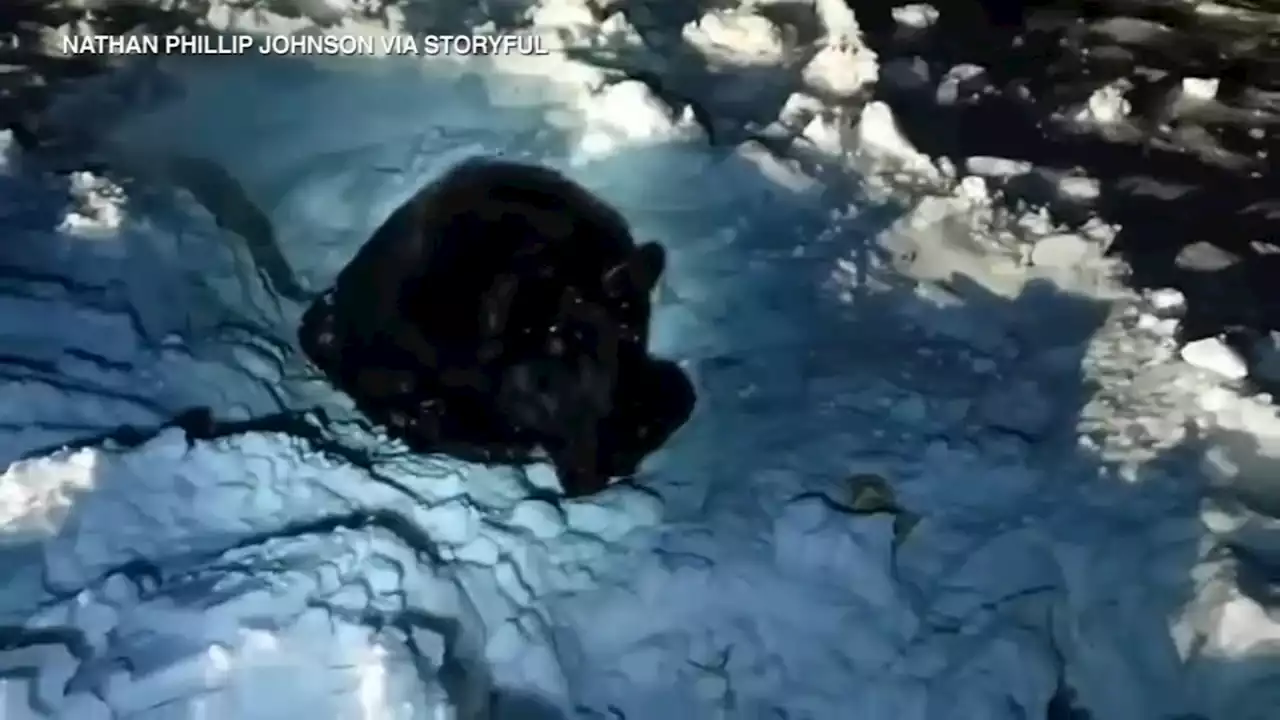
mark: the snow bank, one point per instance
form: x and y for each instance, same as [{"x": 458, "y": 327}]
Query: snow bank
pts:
[{"x": 862, "y": 320}]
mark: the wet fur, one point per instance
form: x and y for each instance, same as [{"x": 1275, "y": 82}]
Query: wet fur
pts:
[{"x": 502, "y": 310}]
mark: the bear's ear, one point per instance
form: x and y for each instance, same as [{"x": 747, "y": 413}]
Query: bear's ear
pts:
[{"x": 638, "y": 273}]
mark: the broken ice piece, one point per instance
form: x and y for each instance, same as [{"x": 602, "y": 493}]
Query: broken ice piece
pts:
[{"x": 1215, "y": 356}]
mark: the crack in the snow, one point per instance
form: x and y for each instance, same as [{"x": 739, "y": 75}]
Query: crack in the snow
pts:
[
  {"x": 15, "y": 638},
  {"x": 89, "y": 356},
  {"x": 48, "y": 426},
  {"x": 199, "y": 424},
  {"x": 105, "y": 298},
  {"x": 151, "y": 575},
  {"x": 71, "y": 385},
  {"x": 30, "y": 363},
  {"x": 454, "y": 669}
]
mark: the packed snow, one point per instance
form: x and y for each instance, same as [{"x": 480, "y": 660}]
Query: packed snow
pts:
[{"x": 945, "y": 465}]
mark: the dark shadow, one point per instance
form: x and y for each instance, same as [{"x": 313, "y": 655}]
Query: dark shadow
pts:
[
  {"x": 1245, "y": 556},
  {"x": 32, "y": 72},
  {"x": 517, "y": 705},
  {"x": 37, "y": 69},
  {"x": 1174, "y": 176},
  {"x": 1246, "y": 488}
]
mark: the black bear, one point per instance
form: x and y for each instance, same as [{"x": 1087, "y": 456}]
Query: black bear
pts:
[{"x": 501, "y": 310}]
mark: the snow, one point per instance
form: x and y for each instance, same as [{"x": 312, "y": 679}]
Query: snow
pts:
[
  {"x": 960, "y": 81},
  {"x": 737, "y": 37},
  {"x": 97, "y": 206},
  {"x": 917, "y": 16},
  {"x": 1200, "y": 89},
  {"x": 1215, "y": 356},
  {"x": 997, "y": 167},
  {"x": 1107, "y": 105},
  {"x": 1064, "y": 250},
  {"x": 843, "y": 66},
  {"x": 849, "y": 307},
  {"x": 1167, "y": 302}
]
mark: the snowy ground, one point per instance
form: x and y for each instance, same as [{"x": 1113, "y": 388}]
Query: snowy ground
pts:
[{"x": 849, "y": 308}]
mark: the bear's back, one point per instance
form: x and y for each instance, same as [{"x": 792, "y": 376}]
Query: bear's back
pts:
[{"x": 488, "y": 222}]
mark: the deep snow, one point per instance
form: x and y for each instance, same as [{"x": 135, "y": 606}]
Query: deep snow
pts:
[{"x": 848, "y": 306}]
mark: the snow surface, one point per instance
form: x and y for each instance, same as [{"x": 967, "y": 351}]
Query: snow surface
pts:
[{"x": 848, "y": 306}]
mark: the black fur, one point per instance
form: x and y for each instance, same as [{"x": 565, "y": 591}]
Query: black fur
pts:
[{"x": 502, "y": 309}]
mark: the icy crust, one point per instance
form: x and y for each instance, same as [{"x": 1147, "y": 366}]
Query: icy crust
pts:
[
  {"x": 198, "y": 564},
  {"x": 153, "y": 503},
  {"x": 94, "y": 331},
  {"x": 201, "y": 578},
  {"x": 216, "y": 640}
]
